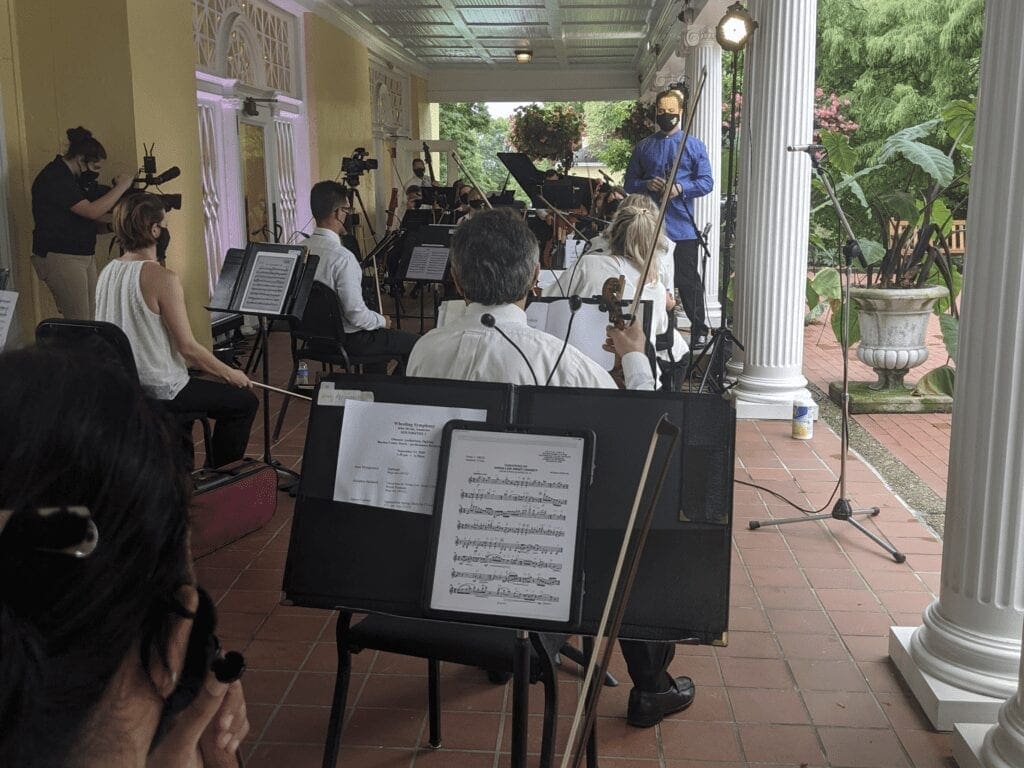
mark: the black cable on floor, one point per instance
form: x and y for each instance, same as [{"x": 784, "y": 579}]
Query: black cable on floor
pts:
[{"x": 828, "y": 504}]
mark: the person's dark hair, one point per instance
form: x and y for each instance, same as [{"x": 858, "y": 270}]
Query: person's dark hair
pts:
[
  {"x": 413, "y": 189},
  {"x": 78, "y": 431},
  {"x": 552, "y": 175},
  {"x": 325, "y": 197},
  {"x": 81, "y": 142},
  {"x": 495, "y": 257},
  {"x": 133, "y": 218}
]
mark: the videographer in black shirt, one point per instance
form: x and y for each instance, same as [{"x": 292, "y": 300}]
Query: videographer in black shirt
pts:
[{"x": 67, "y": 206}]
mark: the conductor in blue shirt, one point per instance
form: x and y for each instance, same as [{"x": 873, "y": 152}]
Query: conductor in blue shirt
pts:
[{"x": 647, "y": 173}]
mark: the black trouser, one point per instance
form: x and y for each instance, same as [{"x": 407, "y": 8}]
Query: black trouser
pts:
[
  {"x": 647, "y": 663},
  {"x": 383, "y": 341},
  {"x": 232, "y": 410},
  {"x": 691, "y": 292}
]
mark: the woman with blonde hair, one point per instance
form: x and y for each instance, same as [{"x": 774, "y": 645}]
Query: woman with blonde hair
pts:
[{"x": 626, "y": 244}]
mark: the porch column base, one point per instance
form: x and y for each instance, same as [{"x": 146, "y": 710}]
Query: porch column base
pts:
[
  {"x": 968, "y": 739},
  {"x": 943, "y": 704}
]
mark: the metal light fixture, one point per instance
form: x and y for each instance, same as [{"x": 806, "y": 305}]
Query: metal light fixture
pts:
[
  {"x": 249, "y": 105},
  {"x": 524, "y": 55},
  {"x": 735, "y": 28}
]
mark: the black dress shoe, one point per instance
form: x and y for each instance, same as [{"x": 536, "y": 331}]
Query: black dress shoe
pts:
[{"x": 647, "y": 709}]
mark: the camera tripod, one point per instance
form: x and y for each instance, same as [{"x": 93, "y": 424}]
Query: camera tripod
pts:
[{"x": 842, "y": 510}]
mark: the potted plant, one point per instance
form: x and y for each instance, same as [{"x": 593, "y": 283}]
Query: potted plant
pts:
[
  {"x": 908, "y": 272},
  {"x": 553, "y": 132}
]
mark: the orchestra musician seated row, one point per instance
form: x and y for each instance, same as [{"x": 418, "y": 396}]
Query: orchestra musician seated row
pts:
[
  {"x": 366, "y": 332},
  {"x": 495, "y": 263}
]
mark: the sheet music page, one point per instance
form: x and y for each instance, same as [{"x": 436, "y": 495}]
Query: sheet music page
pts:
[
  {"x": 428, "y": 262},
  {"x": 553, "y": 277},
  {"x": 589, "y": 331},
  {"x": 7, "y": 301},
  {"x": 389, "y": 452},
  {"x": 508, "y": 525},
  {"x": 267, "y": 287}
]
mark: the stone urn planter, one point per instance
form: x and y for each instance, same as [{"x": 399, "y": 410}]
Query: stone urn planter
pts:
[{"x": 893, "y": 325}]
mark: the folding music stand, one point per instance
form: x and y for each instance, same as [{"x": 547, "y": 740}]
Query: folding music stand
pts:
[
  {"x": 274, "y": 280},
  {"x": 424, "y": 260},
  {"x": 366, "y": 559}
]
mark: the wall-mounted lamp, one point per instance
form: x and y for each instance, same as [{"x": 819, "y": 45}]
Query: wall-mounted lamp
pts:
[
  {"x": 249, "y": 105},
  {"x": 524, "y": 55},
  {"x": 735, "y": 28}
]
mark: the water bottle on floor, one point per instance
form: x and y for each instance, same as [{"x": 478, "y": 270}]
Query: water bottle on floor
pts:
[{"x": 302, "y": 376}]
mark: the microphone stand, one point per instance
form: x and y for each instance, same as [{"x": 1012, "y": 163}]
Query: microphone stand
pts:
[{"x": 843, "y": 509}]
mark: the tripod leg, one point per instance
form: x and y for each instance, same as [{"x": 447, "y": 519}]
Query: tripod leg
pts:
[
  {"x": 896, "y": 555},
  {"x": 755, "y": 524}
]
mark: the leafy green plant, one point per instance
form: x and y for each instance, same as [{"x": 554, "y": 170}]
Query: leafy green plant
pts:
[
  {"x": 913, "y": 222},
  {"x": 553, "y": 132}
]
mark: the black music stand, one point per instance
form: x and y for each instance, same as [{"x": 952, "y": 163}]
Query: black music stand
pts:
[
  {"x": 348, "y": 557},
  {"x": 425, "y": 261},
  {"x": 274, "y": 281}
]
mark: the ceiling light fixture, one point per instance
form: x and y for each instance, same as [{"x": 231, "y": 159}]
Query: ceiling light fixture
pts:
[
  {"x": 735, "y": 28},
  {"x": 524, "y": 55}
]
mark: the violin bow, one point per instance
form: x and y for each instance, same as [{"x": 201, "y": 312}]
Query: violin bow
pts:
[
  {"x": 468, "y": 175},
  {"x": 670, "y": 182},
  {"x": 618, "y": 593}
]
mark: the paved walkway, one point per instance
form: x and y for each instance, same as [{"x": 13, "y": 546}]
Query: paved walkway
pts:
[
  {"x": 805, "y": 680},
  {"x": 921, "y": 441}
]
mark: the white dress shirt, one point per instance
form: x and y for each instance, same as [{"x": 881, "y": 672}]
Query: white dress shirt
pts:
[
  {"x": 339, "y": 268},
  {"x": 466, "y": 350}
]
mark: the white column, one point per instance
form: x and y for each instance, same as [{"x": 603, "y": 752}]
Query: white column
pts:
[
  {"x": 704, "y": 53},
  {"x": 774, "y": 219},
  {"x": 963, "y": 662}
]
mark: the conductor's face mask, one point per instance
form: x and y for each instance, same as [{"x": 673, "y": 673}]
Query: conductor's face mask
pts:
[{"x": 668, "y": 114}]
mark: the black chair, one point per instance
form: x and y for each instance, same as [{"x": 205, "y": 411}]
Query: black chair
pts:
[
  {"x": 320, "y": 337},
  {"x": 489, "y": 648},
  {"x": 60, "y": 331}
]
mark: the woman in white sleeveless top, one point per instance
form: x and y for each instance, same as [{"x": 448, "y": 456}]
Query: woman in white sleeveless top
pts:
[
  {"x": 147, "y": 302},
  {"x": 629, "y": 239}
]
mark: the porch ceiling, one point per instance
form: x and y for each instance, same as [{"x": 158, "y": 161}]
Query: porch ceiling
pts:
[{"x": 465, "y": 48}]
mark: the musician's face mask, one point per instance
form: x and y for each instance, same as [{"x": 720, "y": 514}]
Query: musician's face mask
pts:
[
  {"x": 464, "y": 198},
  {"x": 668, "y": 115},
  {"x": 163, "y": 241},
  {"x": 419, "y": 171},
  {"x": 476, "y": 203}
]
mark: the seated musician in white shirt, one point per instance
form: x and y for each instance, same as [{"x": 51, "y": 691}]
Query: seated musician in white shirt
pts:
[
  {"x": 494, "y": 266},
  {"x": 366, "y": 331},
  {"x": 495, "y": 261}
]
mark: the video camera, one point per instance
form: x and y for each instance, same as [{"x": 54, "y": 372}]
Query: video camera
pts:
[
  {"x": 355, "y": 166},
  {"x": 148, "y": 177}
]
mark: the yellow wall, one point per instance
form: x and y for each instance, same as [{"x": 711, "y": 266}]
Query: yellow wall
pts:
[
  {"x": 338, "y": 86},
  {"x": 123, "y": 69},
  {"x": 163, "y": 81}
]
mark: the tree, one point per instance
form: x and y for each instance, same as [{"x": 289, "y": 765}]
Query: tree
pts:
[{"x": 899, "y": 63}]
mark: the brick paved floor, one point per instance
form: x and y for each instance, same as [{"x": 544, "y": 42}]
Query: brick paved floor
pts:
[
  {"x": 804, "y": 681},
  {"x": 921, "y": 441}
]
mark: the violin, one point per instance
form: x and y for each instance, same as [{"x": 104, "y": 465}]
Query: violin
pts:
[{"x": 611, "y": 302}]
